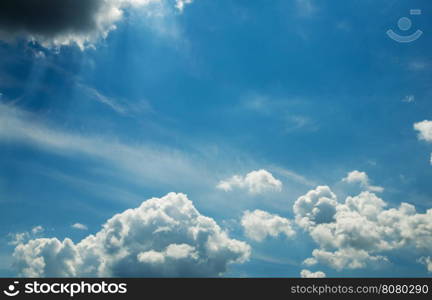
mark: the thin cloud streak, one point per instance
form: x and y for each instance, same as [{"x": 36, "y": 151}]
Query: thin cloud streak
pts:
[{"x": 152, "y": 164}]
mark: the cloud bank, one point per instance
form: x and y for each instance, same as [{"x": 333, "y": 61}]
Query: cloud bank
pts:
[
  {"x": 354, "y": 234},
  {"x": 255, "y": 182},
  {"x": 163, "y": 237},
  {"x": 351, "y": 234}
]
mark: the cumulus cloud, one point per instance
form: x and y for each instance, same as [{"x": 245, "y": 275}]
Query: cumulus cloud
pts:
[
  {"x": 255, "y": 182},
  {"x": 346, "y": 258},
  {"x": 259, "y": 224},
  {"x": 355, "y": 233},
  {"x": 424, "y": 129},
  {"x": 308, "y": 274},
  {"x": 57, "y": 23},
  {"x": 362, "y": 179},
  {"x": 163, "y": 237},
  {"x": 79, "y": 226}
]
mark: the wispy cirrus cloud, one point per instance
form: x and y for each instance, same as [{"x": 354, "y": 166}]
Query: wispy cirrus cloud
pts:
[
  {"x": 134, "y": 162},
  {"x": 292, "y": 176},
  {"x": 119, "y": 106},
  {"x": 149, "y": 163},
  {"x": 288, "y": 112}
]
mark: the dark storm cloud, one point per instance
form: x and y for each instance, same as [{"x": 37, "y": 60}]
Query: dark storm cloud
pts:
[
  {"x": 59, "y": 22},
  {"x": 48, "y": 17},
  {"x": 65, "y": 22}
]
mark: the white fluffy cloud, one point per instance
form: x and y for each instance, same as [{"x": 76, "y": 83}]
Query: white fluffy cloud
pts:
[
  {"x": 66, "y": 22},
  {"x": 79, "y": 226},
  {"x": 163, "y": 237},
  {"x": 308, "y": 274},
  {"x": 259, "y": 224},
  {"x": 424, "y": 129},
  {"x": 349, "y": 258},
  {"x": 355, "y": 233},
  {"x": 363, "y": 179},
  {"x": 255, "y": 182}
]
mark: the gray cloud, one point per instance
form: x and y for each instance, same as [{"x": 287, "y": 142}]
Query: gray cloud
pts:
[
  {"x": 163, "y": 237},
  {"x": 65, "y": 22},
  {"x": 49, "y": 17},
  {"x": 53, "y": 22}
]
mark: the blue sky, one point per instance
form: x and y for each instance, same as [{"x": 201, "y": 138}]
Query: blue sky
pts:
[{"x": 178, "y": 100}]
